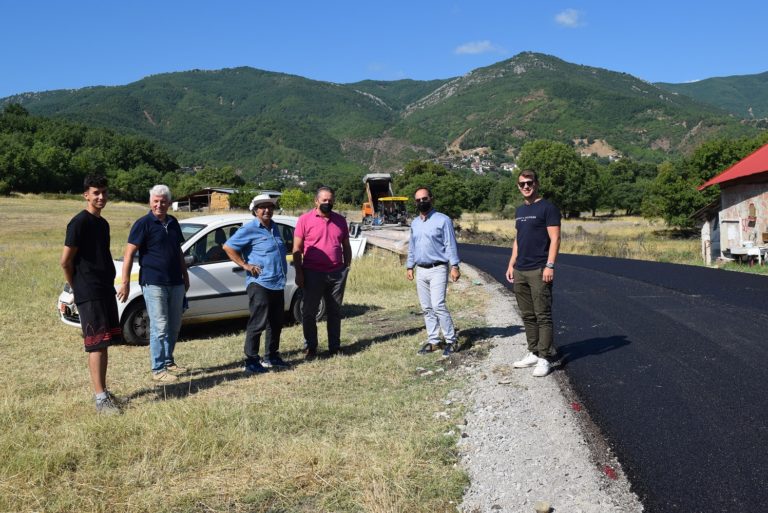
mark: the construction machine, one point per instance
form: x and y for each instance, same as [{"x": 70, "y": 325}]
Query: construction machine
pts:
[{"x": 382, "y": 207}]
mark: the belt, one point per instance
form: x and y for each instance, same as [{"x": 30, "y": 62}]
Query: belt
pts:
[{"x": 430, "y": 266}]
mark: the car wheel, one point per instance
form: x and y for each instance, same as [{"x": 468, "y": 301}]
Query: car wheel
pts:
[
  {"x": 136, "y": 324},
  {"x": 297, "y": 307}
]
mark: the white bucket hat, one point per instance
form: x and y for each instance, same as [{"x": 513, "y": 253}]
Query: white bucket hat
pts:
[{"x": 260, "y": 200}]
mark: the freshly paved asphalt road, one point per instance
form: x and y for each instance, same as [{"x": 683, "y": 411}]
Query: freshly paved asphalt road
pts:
[{"x": 671, "y": 362}]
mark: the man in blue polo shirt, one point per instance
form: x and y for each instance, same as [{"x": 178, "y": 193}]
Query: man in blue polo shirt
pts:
[
  {"x": 432, "y": 249},
  {"x": 163, "y": 278},
  {"x": 258, "y": 248}
]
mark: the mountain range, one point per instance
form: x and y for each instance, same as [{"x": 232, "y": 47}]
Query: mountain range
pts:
[
  {"x": 745, "y": 96},
  {"x": 263, "y": 121}
]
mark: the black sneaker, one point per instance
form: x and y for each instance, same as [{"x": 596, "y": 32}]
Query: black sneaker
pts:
[
  {"x": 448, "y": 351},
  {"x": 274, "y": 362},
  {"x": 426, "y": 349},
  {"x": 254, "y": 367}
]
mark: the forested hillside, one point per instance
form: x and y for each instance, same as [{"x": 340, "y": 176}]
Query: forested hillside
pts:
[
  {"x": 263, "y": 122},
  {"x": 52, "y": 155},
  {"x": 534, "y": 96},
  {"x": 745, "y": 96}
]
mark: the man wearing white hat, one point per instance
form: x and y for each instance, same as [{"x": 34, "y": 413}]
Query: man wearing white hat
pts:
[{"x": 258, "y": 248}]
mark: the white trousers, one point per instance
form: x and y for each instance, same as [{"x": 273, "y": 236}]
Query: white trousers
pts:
[{"x": 431, "y": 284}]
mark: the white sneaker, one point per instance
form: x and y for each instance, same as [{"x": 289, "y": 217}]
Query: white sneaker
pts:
[
  {"x": 542, "y": 368},
  {"x": 528, "y": 360}
]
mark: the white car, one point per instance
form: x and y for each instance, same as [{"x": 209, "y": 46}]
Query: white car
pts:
[{"x": 216, "y": 284}]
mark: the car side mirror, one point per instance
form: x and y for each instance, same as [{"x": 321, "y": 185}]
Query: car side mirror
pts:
[{"x": 189, "y": 259}]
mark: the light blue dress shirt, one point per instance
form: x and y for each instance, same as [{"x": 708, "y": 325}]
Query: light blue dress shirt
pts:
[{"x": 432, "y": 240}]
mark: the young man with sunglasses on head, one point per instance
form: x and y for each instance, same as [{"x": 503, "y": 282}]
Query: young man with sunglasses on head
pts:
[
  {"x": 432, "y": 249},
  {"x": 531, "y": 270}
]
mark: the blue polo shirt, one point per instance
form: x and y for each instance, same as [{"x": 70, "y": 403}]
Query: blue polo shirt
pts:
[
  {"x": 432, "y": 241},
  {"x": 159, "y": 250},
  {"x": 264, "y": 247}
]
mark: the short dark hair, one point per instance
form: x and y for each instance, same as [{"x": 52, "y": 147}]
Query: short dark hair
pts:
[
  {"x": 429, "y": 191},
  {"x": 97, "y": 181},
  {"x": 324, "y": 188},
  {"x": 529, "y": 173}
]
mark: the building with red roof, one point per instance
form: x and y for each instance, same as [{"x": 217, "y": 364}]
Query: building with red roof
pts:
[{"x": 738, "y": 227}]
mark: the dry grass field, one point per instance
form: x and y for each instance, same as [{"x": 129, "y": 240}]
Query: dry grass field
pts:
[
  {"x": 622, "y": 237},
  {"x": 353, "y": 433}
]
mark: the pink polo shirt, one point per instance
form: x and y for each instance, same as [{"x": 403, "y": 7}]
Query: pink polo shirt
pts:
[{"x": 322, "y": 240}]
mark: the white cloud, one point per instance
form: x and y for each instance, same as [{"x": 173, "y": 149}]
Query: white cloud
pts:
[
  {"x": 570, "y": 18},
  {"x": 476, "y": 47}
]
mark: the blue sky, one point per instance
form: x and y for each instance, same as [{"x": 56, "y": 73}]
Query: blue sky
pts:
[{"x": 71, "y": 44}]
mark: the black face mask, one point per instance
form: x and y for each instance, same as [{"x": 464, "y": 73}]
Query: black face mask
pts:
[
  {"x": 424, "y": 206},
  {"x": 326, "y": 208}
]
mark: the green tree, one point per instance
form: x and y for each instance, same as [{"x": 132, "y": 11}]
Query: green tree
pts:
[
  {"x": 448, "y": 189},
  {"x": 673, "y": 194},
  {"x": 242, "y": 198},
  {"x": 134, "y": 185},
  {"x": 622, "y": 185},
  {"x": 186, "y": 184},
  {"x": 15, "y": 109},
  {"x": 568, "y": 180},
  {"x": 296, "y": 199},
  {"x": 225, "y": 176}
]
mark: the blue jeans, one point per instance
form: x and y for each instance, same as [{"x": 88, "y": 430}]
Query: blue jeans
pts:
[{"x": 164, "y": 307}]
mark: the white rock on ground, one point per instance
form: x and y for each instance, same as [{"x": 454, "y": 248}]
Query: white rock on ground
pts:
[{"x": 523, "y": 441}]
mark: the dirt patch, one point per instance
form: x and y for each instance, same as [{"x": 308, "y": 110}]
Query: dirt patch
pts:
[{"x": 597, "y": 147}]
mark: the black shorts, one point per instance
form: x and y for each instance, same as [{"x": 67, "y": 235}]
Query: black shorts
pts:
[{"x": 101, "y": 326}]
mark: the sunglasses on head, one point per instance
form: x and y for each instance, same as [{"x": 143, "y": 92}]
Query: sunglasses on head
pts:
[{"x": 526, "y": 183}]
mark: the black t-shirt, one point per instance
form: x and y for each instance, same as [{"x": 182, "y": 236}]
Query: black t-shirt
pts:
[
  {"x": 531, "y": 223},
  {"x": 94, "y": 276}
]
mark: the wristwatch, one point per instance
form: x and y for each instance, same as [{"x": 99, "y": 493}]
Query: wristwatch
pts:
[{"x": 550, "y": 265}]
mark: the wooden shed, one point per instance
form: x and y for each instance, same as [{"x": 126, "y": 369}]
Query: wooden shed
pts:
[{"x": 212, "y": 199}]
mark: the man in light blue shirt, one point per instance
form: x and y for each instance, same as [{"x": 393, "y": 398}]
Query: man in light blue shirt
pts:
[
  {"x": 432, "y": 250},
  {"x": 258, "y": 248}
]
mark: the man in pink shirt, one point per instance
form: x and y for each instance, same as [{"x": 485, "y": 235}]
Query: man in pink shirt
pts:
[{"x": 322, "y": 256}]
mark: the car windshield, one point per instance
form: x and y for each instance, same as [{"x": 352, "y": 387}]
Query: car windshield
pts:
[{"x": 189, "y": 229}]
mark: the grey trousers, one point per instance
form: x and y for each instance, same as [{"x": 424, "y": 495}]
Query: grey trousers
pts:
[
  {"x": 431, "y": 284},
  {"x": 534, "y": 298}
]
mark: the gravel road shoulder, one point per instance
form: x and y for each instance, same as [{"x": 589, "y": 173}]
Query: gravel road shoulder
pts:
[{"x": 527, "y": 439}]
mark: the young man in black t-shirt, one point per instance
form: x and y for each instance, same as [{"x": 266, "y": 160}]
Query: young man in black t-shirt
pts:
[
  {"x": 531, "y": 270},
  {"x": 88, "y": 268}
]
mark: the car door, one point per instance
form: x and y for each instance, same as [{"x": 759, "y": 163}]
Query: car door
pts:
[
  {"x": 286, "y": 232},
  {"x": 216, "y": 284}
]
